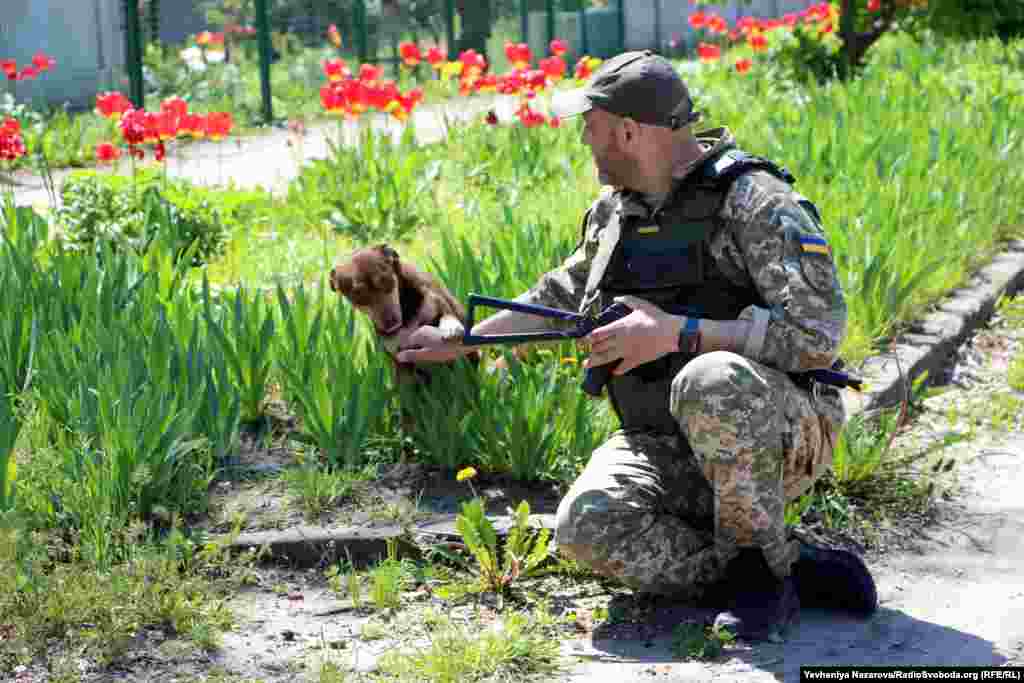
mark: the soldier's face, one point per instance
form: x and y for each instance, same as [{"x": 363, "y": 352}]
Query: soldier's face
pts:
[{"x": 601, "y": 133}]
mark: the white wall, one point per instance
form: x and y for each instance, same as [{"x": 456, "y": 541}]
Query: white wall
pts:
[{"x": 85, "y": 37}]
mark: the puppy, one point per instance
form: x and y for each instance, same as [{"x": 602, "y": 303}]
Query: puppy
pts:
[{"x": 398, "y": 298}]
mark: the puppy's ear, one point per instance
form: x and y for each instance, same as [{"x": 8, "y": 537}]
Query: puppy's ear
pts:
[{"x": 340, "y": 282}]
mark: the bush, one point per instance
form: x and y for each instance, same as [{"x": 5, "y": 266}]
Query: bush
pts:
[
  {"x": 976, "y": 18},
  {"x": 132, "y": 213}
]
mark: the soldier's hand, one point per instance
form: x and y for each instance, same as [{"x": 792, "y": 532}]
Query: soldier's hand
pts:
[
  {"x": 646, "y": 334},
  {"x": 427, "y": 345}
]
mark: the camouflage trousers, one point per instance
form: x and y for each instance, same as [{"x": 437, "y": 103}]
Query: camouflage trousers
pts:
[{"x": 665, "y": 514}]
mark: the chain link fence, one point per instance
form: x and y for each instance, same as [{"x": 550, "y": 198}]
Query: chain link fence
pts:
[{"x": 263, "y": 59}]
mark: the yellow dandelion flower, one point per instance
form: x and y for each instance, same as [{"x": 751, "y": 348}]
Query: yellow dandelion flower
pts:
[{"x": 465, "y": 474}]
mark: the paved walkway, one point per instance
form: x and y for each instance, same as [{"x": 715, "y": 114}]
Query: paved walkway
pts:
[{"x": 270, "y": 161}]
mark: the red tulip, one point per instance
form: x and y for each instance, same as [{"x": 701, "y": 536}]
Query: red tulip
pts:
[
  {"x": 553, "y": 67},
  {"x": 336, "y": 70},
  {"x": 107, "y": 152},
  {"x": 743, "y": 65},
  {"x": 370, "y": 73},
  {"x": 112, "y": 104},
  {"x": 28, "y": 73},
  {"x": 874, "y": 5},
  {"x": 133, "y": 126},
  {"x": 708, "y": 53},
  {"x": 698, "y": 20},
  {"x": 491, "y": 118},
  {"x": 43, "y": 62},
  {"x": 435, "y": 57},
  {"x": 559, "y": 47},
  {"x": 758, "y": 42},
  {"x": 160, "y": 152},
  {"x": 10, "y": 68},
  {"x": 717, "y": 25},
  {"x": 519, "y": 55},
  {"x": 218, "y": 124},
  {"x": 555, "y": 122},
  {"x": 410, "y": 53},
  {"x": 192, "y": 124}
]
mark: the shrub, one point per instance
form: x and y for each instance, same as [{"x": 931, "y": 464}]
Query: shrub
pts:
[{"x": 132, "y": 213}]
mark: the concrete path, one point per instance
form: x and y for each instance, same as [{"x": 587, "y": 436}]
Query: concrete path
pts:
[{"x": 273, "y": 159}]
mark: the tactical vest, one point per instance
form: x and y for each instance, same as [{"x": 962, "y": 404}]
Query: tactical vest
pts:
[{"x": 664, "y": 257}]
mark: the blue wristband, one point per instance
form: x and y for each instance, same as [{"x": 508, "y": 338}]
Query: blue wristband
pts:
[{"x": 689, "y": 336}]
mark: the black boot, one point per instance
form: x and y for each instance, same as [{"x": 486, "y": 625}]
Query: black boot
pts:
[
  {"x": 761, "y": 606},
  {"x": 834, "y": 579}
]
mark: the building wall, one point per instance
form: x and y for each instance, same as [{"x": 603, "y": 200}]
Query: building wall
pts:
[
  {"x": 85, "y": 37},
  {"x": 645, "y": 17}
]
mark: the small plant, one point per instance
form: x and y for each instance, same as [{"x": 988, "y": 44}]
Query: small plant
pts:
[
  {"x": 318, "y": 489},
  {"x": 692, "y": 640},
  {"x": 525, "y": 550}
]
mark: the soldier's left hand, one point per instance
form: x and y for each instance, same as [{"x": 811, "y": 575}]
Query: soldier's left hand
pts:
[{"x": 646, "y": 334}]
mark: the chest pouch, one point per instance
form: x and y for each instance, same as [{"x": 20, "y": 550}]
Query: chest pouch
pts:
[{"x": 664, "y": 252}]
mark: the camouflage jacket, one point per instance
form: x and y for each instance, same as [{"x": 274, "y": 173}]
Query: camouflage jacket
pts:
[{"x": 765, "y": 240}]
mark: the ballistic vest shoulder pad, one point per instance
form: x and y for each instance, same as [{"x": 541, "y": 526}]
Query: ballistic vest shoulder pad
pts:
[{"x": 730, "y": 164}]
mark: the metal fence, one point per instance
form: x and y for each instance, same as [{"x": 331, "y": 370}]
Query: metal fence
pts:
[{"x": 167, "y": 42}]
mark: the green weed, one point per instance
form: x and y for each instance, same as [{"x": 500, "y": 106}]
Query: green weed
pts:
[{"x": 695, "y": 641}]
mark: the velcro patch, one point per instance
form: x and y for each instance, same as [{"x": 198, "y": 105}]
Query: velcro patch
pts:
[
  {"x": 814, "y": 245},
  {"x": 648, "y": 229}
]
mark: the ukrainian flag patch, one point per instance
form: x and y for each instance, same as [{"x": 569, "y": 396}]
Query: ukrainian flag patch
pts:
[
  {"x": 814, "y": 245},
  {"x": 648, "y": 229}
]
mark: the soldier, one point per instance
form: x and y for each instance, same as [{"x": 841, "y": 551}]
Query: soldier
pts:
[{"x": 735, "y": 297}]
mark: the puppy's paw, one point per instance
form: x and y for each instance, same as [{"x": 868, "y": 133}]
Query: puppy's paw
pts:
[
  {"x": 391, "y": 344},
  {"x": 451, "y": 328}
]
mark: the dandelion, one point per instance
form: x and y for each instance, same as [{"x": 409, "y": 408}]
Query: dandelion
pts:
[{"x": 467, "y": 473}]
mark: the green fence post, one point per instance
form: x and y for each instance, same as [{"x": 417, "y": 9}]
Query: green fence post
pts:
[
  {"x": 584, "y": 47},
  {"x": 449, "y": 24},
  {"x": 524, "y": 21},
  {"x": 133, "y": 53},
  {"x": 551, "y": 23},
  {"x": 361, "y": 26},
  {"x": 263, "y": 36},
  {"x": 622, "y": 26}
]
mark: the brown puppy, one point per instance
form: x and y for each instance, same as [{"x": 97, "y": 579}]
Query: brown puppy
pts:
[{"x": 398, "y": 298}]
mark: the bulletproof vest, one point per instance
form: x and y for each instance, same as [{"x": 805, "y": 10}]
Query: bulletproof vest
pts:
[{"x": 664, "y": 257}]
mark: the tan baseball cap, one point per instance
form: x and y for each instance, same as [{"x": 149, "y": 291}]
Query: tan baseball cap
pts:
[{"x": 639, "y": 85}]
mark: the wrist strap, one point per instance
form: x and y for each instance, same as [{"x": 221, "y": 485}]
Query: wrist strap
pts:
[{"x": 690, "y": 337}]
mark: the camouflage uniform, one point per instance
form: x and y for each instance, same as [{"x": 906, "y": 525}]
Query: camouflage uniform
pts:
[{"x": 663, "y": 512}]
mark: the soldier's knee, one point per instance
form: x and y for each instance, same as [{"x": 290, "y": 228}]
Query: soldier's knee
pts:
[{"x": 719, "y": 379}]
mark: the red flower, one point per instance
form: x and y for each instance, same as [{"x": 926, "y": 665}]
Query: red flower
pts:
[
  {"x": 167, "y": 125},
  {"x": 874, "y": 5},
  {"x": 136, "y": 152},
  {"x": 698, "y": 20},
  {"x": 585, "y": 67},
  {"x": 758, "y": 42},
  {"x": 133, "y": 126},
  {"x": 370, "y": 73},
  {"x": 107, "y": 152},
  {"x": 112, "y": 104},
  {"x": 28, "y": 73},
  {"x": 553, "y": 68},
  {"x": 160, "y": 152},
  {"x": 176, "y": 106},
  {"x": 219, "y": 124},
  {"x": 743, "y": 65},
  {"x": 519, "y": 55},
  {"x": 12, "y": 146},
  {"x": 559, "y": 47},
  {"x": 43, "y": 62},
  {"x": 708, "y": 53},
  {"x": 10, "y": 68},
  {"x": 193, "y": 124},
  {"x": 472, "y": 60},
  {"x": 717, "y": 24},
  {"x": 336, "y": 70},
  {"x": 555, "y": 122},
  {"x": 410, "y": 53},
  {"x": 530, "y": 118},
  {"x": 492, "y": 118},
  {"x": 435, "y": 57},
  {"x": 204, "y": 38}
]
